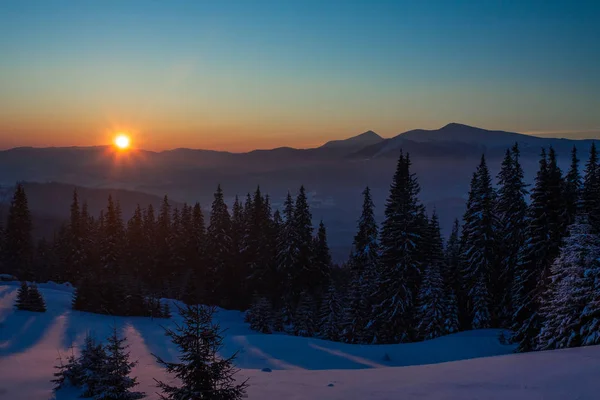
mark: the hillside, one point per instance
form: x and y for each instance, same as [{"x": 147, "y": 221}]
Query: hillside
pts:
[{"x": 302, "y": 368}]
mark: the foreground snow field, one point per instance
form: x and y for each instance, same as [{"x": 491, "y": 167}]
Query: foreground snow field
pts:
[{"x": 459, "y": 366}]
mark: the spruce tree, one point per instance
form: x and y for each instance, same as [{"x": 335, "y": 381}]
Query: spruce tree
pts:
[
  {"x": 201, "y": 372},
  {"x": 511, "y": 210},
  {"x": 92, "y": 362},
  {"x": 321, "y": 261},
  {"x": 22, "y": 302},
  {"x": 219, "y": 254},
  {"x": 572, "y": 190},
  {"x": 305, "y": 318},
  {"x": 535, "y": 257},
  {"x": 18, "y": 241},
  {"x": 363, "y": 269},
  {"x": 457, "y": 313},
  {"x": 570, "y": 286},
  {"x": 68, "y": 374},
  {"x": 286, "y": 256},
  {"x": 479, "y": 247},
  {"x": 35, "y": 301},
  {"x": 432, "y": 299},
  {"x": 114, "y": 382},
  {"x": 304, "y": 272},
  {"x": 330, "y": 315},
  {"x": 260, "y": 315},
  {"x": 75, "y": 263},
  {"x": 591, "y": 189},
  {"x": 397, "y": 283}
]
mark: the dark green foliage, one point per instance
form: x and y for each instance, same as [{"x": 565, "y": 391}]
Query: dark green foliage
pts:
[
  {"x": 260, "y": 315},
  {"x": 511, "y": 210},
  {"x": 114, "y": 382},
  {"x": 432, "y": 298},
  {"x": 219, "y": 257},
  {"x": 29, "y": 298},
  {"x": 545, "y": 229},
  {"x": 363, "y": 270},
  {"x": 478, "y": 243},
  {"x": 18, "y": 248},
  {"x": 201, "y": 373},
  {"x": 400, "y": 263},
  {"x": 330, "y": 315}
]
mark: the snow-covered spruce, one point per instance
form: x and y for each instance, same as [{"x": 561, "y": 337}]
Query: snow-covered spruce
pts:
[
  {"x": 202, "y": 373},
  {"x": 29, "y": 298},
  {"x": 568, "y": 300}
]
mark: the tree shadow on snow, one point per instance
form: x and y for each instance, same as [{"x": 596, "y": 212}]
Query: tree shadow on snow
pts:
[
  {"x": 21, "y": 330},
  {"x": 153, "y": 333}
]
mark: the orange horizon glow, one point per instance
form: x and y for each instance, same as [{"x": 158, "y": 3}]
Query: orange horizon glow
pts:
[{"x": 122, "y": 141}]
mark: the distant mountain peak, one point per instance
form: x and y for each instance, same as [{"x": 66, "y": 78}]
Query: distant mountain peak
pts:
[{"x": 364, "y": 139}]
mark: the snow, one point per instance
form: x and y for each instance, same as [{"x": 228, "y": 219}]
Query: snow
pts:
[{"x": 468, "y": 365}]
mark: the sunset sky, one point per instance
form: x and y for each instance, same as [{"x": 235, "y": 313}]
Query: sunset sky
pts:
[{"x": 243, "y": 74}]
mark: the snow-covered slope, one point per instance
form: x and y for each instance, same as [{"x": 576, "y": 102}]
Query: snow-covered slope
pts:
[{"x": 302, "y": 368}]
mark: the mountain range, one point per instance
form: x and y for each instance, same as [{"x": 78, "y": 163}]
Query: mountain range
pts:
[{"x": 334, "y": 174}]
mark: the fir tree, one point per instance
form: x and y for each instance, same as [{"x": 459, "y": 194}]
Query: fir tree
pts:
[
  {"x": 305, "y": 321},
  {"x": 220, "y": 245},
  {"x": 432, "y": 298},
  {"x": 572, "y": 190},
  {"x": 92, "y": 362},
  {"x": 18, "y": 242},
  {"x": 69, "y": 374},
  {"x": 114, "y": 382},
  {"x": 399, "y": 267},
  {"x": 303, "y": 272},
  {"x": 569, "y": 290},
  {"x": 321, "y": 260},
  {"x": 29, "y": 298},
  {"x": 457, "y": 310},
  {"x": 591, "y": 189},
  {"x": 330, "y": 315},
  {"x": 478, "y": 247},
  {"x": 535, "y": 257},
  {"x": 363, "y": 265},
  {"x": 260, "y": 315},
  {"x": 35, "y": 301},
  {"x": 511, "y": 210},
  {"x": 201, "y": 372},
  {"x": 22, "y": 302},
  {"x": 286, "y": 255}
]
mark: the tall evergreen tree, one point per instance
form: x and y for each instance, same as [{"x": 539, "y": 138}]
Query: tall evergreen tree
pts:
[
  {"x": 114, "y": 382},
  {"x": 399, "y": 268},
  {"x": 202, "y": 373},
  {"x": 537, "y": 253},
  {"x": 220, "y": 244},
  {"x": 303, "y": 272},
  {"x": 570, "y": 286},
  {"x": 479, "y": 247},
  {"x": 286, "y": 258},
  {"x": 18, "y": 241},
  {"x": 432, "y": 299},
  {"x": 511, "y": 210},
  {"x": 330, "y": 315},
  {"x": 572, "y": 189},
  {"x": 322, "y": 261},
  {"x": 591, "y": 189},
  {"x": 457, "y": 300},
  {"x": 363, "y": 266}
]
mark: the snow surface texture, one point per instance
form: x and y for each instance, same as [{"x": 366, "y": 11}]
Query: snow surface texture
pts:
[{"x": 299, "y": 368}]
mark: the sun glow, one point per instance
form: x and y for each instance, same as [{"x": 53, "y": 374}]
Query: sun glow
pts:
[{"x": 122, "y": 141}]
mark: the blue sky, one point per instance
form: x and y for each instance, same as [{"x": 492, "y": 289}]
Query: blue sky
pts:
[{"x": 246, "y": 74}]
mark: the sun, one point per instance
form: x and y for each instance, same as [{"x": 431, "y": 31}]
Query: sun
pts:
[{"x": 122, "y": 141}]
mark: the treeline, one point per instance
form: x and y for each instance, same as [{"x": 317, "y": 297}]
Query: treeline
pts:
[
  {"x": 531, "y": 268},
  {"x": 232, "y": 261}
]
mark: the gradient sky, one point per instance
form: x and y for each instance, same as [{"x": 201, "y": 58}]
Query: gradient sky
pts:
[{"x": 249, "y": 74}]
